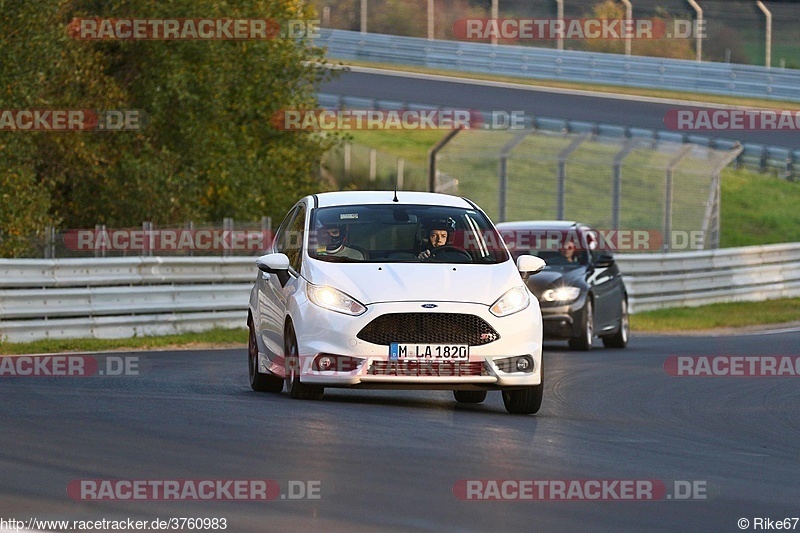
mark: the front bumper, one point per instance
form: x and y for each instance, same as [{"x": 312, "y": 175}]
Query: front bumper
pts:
[
  {"x": 519, "y": 334},
  {"x": 563, "y": 321}
]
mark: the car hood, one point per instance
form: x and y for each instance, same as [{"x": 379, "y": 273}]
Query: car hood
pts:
[
  {"x": 372, "y": 283},
  {"x": 553, "y": 277}
]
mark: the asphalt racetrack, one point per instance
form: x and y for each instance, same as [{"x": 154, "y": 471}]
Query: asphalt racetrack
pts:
[
  {"x": 555, "y": 103},
  {"x": 399, "y": 460}
]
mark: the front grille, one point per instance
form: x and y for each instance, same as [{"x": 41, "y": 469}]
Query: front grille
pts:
[
  {"x": 428, "y": 328},
  {"x": 427, "y": 368}
]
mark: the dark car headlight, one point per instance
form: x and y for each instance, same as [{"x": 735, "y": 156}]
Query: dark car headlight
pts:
[{"x": 561, "y": 294}]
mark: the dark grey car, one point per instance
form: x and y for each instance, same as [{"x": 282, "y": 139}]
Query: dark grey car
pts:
[{"x": 581, "y": 292}]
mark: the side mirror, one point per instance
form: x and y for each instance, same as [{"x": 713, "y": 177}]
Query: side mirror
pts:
[
  {"x": 604, "y": 260},
  {"x": 277, "y": 264},
  {"x": 529, "y": 264}
]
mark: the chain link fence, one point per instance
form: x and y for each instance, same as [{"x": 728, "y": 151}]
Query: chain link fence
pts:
[
  {"x": 670, "y": 189},
  {"x": 356, "y": 166}
]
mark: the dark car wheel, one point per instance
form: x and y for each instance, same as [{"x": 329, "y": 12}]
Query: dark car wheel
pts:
[
  {"x": 469, "y": 396},
  {"x": 296, "y": 389},
  {"x": 525, "y": 401},
  {"x": 620, "y": 338},
  {"x": 584, "y": 342},
  {"x": 258, "y": 381}
]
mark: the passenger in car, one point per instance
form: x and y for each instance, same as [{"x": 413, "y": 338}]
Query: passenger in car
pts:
[{"x": 333, "y": 238}]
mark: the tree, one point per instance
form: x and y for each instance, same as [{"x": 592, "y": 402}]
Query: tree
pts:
[{"x": 208, "y": 149}]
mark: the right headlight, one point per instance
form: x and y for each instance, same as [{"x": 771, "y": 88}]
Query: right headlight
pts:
[
  {"x": 561, "y": 294},
  {"x": 514, "y": 300},
  {"x": 334, "y": 300}
]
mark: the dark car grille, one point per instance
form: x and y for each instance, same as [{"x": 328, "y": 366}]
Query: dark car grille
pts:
[
  {"x": 427, "y": 368},
  {"x": 428, "y": 328}
]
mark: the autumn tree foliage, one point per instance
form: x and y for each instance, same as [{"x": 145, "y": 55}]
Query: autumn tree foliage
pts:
[{"x": 207, "y": 149}]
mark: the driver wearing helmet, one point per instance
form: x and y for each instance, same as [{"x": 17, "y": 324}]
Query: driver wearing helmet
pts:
[
  {"x": 333, "y": 241},
  {"x": 437, "y": 233}
]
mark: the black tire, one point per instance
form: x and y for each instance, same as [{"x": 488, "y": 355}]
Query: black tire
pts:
[
  {"x": 469, "y": 396},
  {"x": 620, "y": 338},
  {"x": 585, "y": 340},
  {"x": 259, "y": 381},
  {"x": 525, "y": 401},
  {"x": 296, "y": 389}
]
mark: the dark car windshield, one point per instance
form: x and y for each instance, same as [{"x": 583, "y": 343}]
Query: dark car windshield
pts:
[
  {"x": 558, "y": 248},
  {"x": 401, "y": 233}
]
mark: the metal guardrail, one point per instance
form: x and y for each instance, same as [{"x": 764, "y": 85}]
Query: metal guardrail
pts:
[
  {"x": 752, "y": 273},
  {"x": 566, "y": 65},
  {"x": 135, "y": 296}
]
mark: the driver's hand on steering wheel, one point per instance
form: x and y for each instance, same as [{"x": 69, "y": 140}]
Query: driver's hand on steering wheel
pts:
[{"x": 424, "y": 254}]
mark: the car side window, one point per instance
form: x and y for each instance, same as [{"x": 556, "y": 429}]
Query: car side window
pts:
[
  {"x": 280, "y": 233},
  {"x": 292, "y": 242}
]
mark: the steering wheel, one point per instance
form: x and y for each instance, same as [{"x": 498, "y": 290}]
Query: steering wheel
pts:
[{"x": 453, "y": 250}]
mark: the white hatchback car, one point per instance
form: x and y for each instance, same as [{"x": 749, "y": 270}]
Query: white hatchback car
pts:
[{"x": 403, "y": 290}]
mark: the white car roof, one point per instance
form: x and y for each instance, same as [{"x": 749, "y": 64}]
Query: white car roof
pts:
[{"x": 330, "y": 199}]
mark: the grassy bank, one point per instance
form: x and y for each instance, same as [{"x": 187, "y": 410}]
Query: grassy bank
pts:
[{"x": 215, "y": 337}]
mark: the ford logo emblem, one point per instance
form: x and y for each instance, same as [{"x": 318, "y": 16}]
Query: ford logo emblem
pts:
[{"x": 429, "y": 306}]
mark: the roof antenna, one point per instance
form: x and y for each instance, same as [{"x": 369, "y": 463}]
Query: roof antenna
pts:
[{"x": 395, "y": 195}]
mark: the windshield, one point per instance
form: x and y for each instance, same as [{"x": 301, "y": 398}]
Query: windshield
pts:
[
  {"x": 558, "y": 248},
  {"x": 403, "y": 234}
]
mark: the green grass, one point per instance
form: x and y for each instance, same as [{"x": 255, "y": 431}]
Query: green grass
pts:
[
  {"x": 727, "y": 315},
  {"x": 758, "y": 209},
  {"x": 216, "y": 337}
]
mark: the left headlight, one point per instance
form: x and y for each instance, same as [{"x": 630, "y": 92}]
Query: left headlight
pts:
[
  {"x": 561, "y": 294},
  {"x": 512, "y": 301},
  {"x": 334, "y": 300}
]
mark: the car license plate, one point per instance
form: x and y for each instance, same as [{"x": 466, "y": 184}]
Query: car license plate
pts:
[{"x": 428, "y": 352}]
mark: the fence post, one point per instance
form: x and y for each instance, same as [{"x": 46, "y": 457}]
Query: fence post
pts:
[
  {"x": 561, "y": 196},
  {"x": 432, "y": 153},
  {"x": 668, "y": 189},
  {"x": 227, "y": 230},
  {"x": 373, "y": 164},
  {"x": 503, "y": 173},
  {"x": 616, "y": 200},
  {"x": 347, "y": 155},
  {"x": 401, "y": 163}
]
